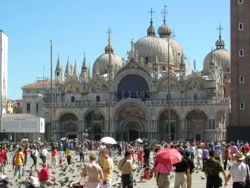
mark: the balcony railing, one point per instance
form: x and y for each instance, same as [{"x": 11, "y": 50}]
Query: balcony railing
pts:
[{"x": 181, "y": 102}]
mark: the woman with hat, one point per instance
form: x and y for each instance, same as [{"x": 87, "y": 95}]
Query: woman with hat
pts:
[{"x": 238, "y": 171}]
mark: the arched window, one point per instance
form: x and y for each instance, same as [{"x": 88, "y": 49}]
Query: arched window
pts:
[
  {"x": 241, "y": 53},
  {"x": 241, "y": 79},
  {"x": 241, "y": 27},
  {"x": 242, "y": 105}
]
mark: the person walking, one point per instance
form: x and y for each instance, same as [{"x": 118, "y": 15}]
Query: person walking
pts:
[
  {"x": 34, "y": 155},
  {"x": 212, "y": 169},
  {"x": 68, "y": 154},
  {"x": 182, "y": 173},
  {"x": 53, "y": 157},
  {"x": 162, "y": 174},
  {"x": 18, "y": 160},
  {"x": 238, "y": 171},
  {"x": 94, "y": 173},
  {"x": 107, "y": 167},
  {"x": 126, "y": 167}
]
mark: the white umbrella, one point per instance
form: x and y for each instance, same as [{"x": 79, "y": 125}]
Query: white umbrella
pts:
[
  {"x": 139, "y": 140},
  {"x": 108, "y": 140}
]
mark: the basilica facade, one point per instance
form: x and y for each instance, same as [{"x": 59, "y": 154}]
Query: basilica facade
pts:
[{"x": 152, "y": 94}]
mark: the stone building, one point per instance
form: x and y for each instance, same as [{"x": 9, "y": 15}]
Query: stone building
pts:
[{"x": 152, "y": 94}]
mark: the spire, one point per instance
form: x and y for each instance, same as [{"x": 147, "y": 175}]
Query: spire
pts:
[
  {"x": 194, "y": 66},
  {"x": 84, "y": 64},
  {"x": 220, "y": 42},
  {"x": 164, "y": 30},
  {"x": 164, "y": 12},
  {"x": 109, "y": 48},
  {"x": 151, "y": 29},
  {"x": 67, "y": 70},
  {"x": 58, "y": 70},
  {"x": 75, "y": 72}
]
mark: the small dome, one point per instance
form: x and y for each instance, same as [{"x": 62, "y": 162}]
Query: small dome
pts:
[
  {"x": 150, "y": 47},
  {"x": 101, "y": 64},
  {"x": 151, "y": 29},
  {"x": 220, "y": 43},
  {"x": 219, "y": 57},
  {"x": 164, "y": 30}
]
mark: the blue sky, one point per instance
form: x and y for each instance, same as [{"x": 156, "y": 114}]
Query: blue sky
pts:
[{"x": 78, "y": 26}]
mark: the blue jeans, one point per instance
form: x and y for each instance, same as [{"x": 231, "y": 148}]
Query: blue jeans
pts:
[{"x": 18, "y": 169}]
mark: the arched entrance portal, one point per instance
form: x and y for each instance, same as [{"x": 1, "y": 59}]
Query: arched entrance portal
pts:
[
  {"x": 94, "y": 122},
  {"x": 68, "y": 126},
  {"x": 196, "y": 125},
  {"x": 130, "y": 122},
  {"x": 167, "y": 127},
  {"x": 133, "y": 130}
]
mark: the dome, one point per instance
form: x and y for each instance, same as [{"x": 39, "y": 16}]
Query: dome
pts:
[
  {"x": 220, "y": 43},
  {"x": 150, "y": 47},
  {"x": 164, "y": 30},
  {"x": 101, "y": 63},
  {"x": 219, "y": 56},
  {"x": 177, "y": 50}
]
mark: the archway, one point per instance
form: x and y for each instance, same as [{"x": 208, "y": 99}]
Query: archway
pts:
[
  {"x": 133, "y": 129},
  {"x": 196, "y": 125},
  {"x": 129, "y": 122},
  {"x": 68, "y": 126},
  {"x": 94, "y": 122},
  {"x": 167, "y": 126},
  {"x": 133, "y": 86}
]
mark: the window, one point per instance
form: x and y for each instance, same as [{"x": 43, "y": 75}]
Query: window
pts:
[
  {"x": 72, "y": 99},
  {"x": 28, "y": 107},
  {"x": 241, "y": 79},
  {"x": 97, "y": 98},
  {"x": 241, "y": 27},
  {"x": 240, "y": 2},
  {"x": 37, "y": 105},
  {"x": 242, "y": 106},
  {"x": 241, "y": 53}
]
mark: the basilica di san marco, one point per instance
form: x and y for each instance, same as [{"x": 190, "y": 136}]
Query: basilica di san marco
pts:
[{"x": 150, "y": 94}]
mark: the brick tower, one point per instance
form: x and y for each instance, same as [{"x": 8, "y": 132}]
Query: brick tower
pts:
[{"x": 239, "y": 122}]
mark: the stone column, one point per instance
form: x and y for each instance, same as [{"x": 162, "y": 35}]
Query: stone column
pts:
[{"x": 182, "y": 131}]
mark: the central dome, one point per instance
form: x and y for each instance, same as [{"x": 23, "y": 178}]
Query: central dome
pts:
[
  {"x": 150, "y": 47},
  {"x": 101, "y": 64}
]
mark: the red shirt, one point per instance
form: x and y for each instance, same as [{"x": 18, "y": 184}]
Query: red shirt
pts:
[
  {"x": 53, "y": 152},
  {"x": 43, "y": 174}
]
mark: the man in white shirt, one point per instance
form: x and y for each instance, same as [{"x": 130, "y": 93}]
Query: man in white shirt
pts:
[{"x": 238, "y": 171}]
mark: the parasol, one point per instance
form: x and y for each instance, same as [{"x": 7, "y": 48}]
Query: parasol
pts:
[
  {"x": 108, "y": 140},
  {"x": 169, "y": 156}
]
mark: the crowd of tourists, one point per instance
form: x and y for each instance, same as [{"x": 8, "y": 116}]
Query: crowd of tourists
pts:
[{"x": 231, "y": 160}]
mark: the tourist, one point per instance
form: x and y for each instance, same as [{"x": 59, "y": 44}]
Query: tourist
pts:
[
  {"x": 45, "y": 177},
  {"x": 94, "y": 173},
  {"x": 34, "y": 156},
  {"x": 53, "y": 157},
  {"x": 106, "y": 164},
  {"x": 212, "y": 168},
  {"x": 238, "y": 171},
  {"x": 126, "y": 167},
  {"x": 18, "y": 160},
  {"x": 182, "y": 173},
  {"x": 68, "y": 154}
]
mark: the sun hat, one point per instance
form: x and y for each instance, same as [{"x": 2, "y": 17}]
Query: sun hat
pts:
[{"x": 239, "y": 156}]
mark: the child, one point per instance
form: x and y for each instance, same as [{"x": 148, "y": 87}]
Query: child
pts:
[
  {"x": 147, "y": 175},
  {"x": 32, "y": 181}
]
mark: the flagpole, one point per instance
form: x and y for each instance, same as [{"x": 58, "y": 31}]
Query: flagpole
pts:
[{"x": 51, "y": 92}]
